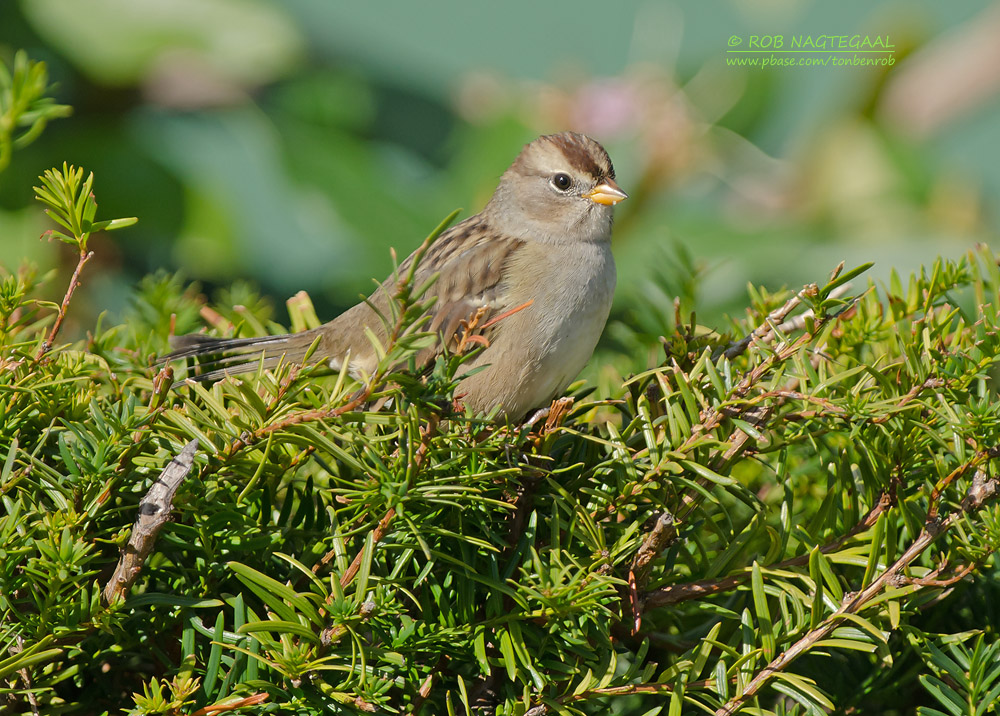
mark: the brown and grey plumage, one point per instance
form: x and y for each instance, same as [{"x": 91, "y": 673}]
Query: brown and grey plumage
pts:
[{"x": 542, "y": 240}]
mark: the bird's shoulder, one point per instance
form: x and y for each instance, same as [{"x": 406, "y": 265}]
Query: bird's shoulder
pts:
[{"x": 469, "y": 260}]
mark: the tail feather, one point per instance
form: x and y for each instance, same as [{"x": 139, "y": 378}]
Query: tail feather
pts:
[
  {"x": 235, "y": 368},
  {"x": 230, "y": 356}
]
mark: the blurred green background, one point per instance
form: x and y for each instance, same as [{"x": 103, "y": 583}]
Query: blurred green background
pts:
[{"x": 293, "y": 142}]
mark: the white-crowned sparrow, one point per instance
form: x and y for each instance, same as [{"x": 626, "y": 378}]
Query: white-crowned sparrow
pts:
[{"x": 542, "y": 245}]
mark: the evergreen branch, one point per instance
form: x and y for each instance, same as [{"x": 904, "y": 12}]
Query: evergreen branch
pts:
[
  {"x": 24, "y": 105},
  {"x": 982, "y": 490},
  {"x": 72, "y": 205},
  {"x": 674, "y": 593}
]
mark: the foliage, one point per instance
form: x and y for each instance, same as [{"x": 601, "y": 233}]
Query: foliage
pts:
[
  {"x": 743, "y": 528},
  {"x": 25, "y": 108},
  {"x": 974, "y": 675}
]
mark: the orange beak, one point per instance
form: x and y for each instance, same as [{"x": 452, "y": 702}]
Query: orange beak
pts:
[{"x": 607, "y": 193}]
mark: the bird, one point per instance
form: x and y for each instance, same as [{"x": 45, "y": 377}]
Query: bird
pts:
[{"x": 533, "y": 271}]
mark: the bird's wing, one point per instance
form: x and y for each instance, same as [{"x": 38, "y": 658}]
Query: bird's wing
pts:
[
  {"x": 470, "y": 262},
  {"x": 469, "y": 259}
]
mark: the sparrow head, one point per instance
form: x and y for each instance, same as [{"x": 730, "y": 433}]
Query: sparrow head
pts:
[{"x": 561, "y": 188}]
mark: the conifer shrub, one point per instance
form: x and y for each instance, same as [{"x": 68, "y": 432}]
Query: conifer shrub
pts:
[{"x": 793, "y": 513}]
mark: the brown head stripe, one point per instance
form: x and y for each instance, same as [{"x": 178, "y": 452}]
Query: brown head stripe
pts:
[{"x": 584, "y": 154}]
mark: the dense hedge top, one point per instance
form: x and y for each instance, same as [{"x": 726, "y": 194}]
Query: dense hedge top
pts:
[
  {"x": 818, "y": 487},
  {"x": 792, "y": 515}
]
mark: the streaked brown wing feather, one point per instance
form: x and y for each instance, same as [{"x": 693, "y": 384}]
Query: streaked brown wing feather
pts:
[{"x": 470, "y": 261}]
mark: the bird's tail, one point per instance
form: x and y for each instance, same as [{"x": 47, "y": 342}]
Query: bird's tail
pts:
[{"x": 230, "y": 356}]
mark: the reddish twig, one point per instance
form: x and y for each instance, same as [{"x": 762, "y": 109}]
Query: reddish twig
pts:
[
  {"x": 945, "y": 481},
  {"x": 335, "y": 632},
  {"x": 215, "y": 319},
  {"x": 74, "y": 282},
  {"x": 675, "y": 593},
  {"x": 916, "y": 390},
  {"x": 377, "y": 534},
  {"x": 756, "y": 415},
  {"x": 469, "y": 326},
  {"x": 712, "y": 419},
  {"x": 419, "y": 457},
  {"x": 507, "y": 314},
  {"x": 231, "y": 704},
  {"x": 947, "y": 582},
  {"x": 426, "y": 685},
  {"x": 981, "y": 490}
]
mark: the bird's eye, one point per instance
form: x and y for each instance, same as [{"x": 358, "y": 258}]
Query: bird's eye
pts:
[{"x": 562, "y": 182}]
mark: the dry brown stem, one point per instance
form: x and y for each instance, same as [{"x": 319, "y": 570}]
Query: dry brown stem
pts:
[{"x": 154, "y": 511}]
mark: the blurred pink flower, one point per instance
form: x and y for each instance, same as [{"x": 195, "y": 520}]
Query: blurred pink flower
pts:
[{"x": 606, "y": 108}]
